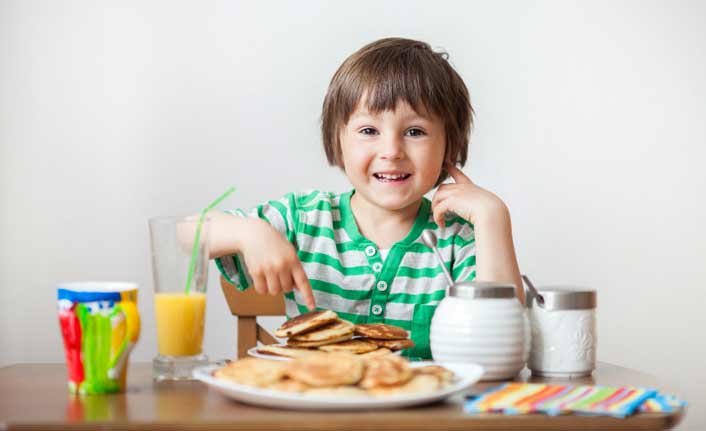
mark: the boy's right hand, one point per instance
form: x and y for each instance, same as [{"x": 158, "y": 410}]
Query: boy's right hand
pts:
[{"x": 273, "y": 263}]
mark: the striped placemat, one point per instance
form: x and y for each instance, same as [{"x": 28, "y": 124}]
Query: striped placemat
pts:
[{"x": 519, "y": 398}]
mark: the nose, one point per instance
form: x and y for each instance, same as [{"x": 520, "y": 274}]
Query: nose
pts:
[{"x": 392, "y": 147}]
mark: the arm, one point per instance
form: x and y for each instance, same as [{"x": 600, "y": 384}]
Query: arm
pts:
[
  {"x": 495, "y": 252},
  {"x": 225, "y": 236},
  {"x": 272, "y": 261},
  {"x": 229, "y": 233}
]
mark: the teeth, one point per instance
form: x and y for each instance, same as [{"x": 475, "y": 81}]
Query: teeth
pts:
[{"x": 391, "y": 177}]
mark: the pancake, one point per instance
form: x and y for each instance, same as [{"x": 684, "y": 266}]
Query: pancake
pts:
[
  {"x": 385, "y": 371},
  {"x": 331, "y": 330},
  {"x": 286, "y": 351},
  {"x": 333, "y": 369},
  {"x": 305, "y": 322},
  {"x": 288, "y": 385},
  {"x": 393, "y": 345},
  {"x": 418, "y": 384},
  {"x": 252, "y": 372},
  {"x": 295, "y": 343},
  {"x": 381, "y": 331},
  {"x": 350, "y": 346},
  {"x": 382, "y": 351},
  {"x": 443, "y": 374}
]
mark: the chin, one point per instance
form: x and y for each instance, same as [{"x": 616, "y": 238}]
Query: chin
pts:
[{"x": 394, "y": 203}]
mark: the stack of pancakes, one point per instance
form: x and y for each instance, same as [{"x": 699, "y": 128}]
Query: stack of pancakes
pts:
[
  {"x": 338, "y": 374},
  {"x": 324, "y": 331}
]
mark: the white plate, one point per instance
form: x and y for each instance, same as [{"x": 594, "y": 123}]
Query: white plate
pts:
[
  {"x": 253, "y": 352},
  {"x": 466, "y": 375}
]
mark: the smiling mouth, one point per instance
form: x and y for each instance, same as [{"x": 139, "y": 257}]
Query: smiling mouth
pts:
[{"x": 391, "y": 178}]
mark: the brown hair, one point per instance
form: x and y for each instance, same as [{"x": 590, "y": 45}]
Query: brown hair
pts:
[{"x": 391, "y": 69}]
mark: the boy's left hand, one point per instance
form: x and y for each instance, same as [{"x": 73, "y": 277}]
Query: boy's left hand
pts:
[{"x": 466, "y": 199}]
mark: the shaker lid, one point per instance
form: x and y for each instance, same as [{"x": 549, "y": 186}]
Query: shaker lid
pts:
[
  {"x": 482, "y": 290},
  {"x": 566, "y": 298}
]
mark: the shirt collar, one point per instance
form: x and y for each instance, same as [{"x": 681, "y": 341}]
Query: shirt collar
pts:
[{"x": 351, "y": 227}]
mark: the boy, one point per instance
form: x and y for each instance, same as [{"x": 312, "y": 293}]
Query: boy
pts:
[{"x": 396, "y": 119}]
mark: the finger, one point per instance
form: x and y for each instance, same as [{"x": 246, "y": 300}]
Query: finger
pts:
[
  {"x": 458, "y": 175},
  {"x": 303, "y": 286},
  {"x": 259, "y": 283},
  {"x": 439, "y": 212},
  {"x": 439, "y": 195},
  {"x": 286, "y": 282},
  {"x": 273, "y": 287},
  {"x": 442, "y": 193}
]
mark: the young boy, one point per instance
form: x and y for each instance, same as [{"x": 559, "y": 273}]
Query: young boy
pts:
[{"x": 396, "y": 119}]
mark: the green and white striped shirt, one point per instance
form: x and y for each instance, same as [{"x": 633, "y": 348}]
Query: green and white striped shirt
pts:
[{"x": 346, "y": 271}]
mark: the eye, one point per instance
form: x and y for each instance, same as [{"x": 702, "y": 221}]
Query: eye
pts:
[
  {"x": 415, "y": 131},
  {"x": 368, "y": 131}
]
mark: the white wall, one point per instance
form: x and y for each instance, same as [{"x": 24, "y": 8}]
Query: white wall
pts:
[{"x": 590, "y": 125}]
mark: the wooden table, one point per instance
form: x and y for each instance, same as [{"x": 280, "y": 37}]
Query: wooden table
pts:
[{"x": 34, "y": 396}]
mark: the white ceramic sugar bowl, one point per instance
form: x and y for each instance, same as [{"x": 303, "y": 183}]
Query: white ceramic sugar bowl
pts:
[
  {"x": 563, "y": 323},
  {"x": 484, "y": 323}
]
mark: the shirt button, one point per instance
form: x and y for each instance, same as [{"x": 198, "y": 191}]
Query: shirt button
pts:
[
  {"x": 377, "y": 309},
  {"x": 370, "y": 250},
  {"x": 377, "y": 266},
  {"x": 382, "y": 286}
]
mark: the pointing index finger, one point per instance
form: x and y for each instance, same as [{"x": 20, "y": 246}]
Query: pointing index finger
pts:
[
  {"x": 458, "y": 175},
  {"x": 302, "y": 285}
]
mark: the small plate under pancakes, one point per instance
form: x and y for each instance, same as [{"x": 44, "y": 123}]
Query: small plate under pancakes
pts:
[
  {"x": 253, "y": 352},
  {"x": 466, "y": 374}
]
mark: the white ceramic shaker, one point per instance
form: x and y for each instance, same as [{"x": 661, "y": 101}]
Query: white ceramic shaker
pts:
[
  {"x": 483, "y": 323},
  {"x": 563, "y": 326}
]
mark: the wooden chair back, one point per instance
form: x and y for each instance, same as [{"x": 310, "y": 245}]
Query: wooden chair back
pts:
[{"x": 246, "y": 306}]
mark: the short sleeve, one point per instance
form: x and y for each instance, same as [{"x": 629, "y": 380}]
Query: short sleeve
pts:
[
  {"x": 464, "y": 262},
  {"x": 280, "y": 214}
]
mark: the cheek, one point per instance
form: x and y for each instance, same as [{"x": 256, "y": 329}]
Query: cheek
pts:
[
  {"x": 345, "y": 155},
  {"x": 433, "y": 160},
  {"x": 354, "y": 159}
]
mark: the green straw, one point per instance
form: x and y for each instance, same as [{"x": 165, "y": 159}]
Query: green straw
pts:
[{"x": 197, "y": 238}]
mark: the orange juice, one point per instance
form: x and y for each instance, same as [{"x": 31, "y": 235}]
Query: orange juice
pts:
[{"x": 180, "y": 323}]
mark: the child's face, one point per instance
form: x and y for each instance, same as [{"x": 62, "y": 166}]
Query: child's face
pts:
[{"x": 392, "y": 158}]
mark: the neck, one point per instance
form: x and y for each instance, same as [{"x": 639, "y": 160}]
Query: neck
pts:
[{"x": 382, "y": 226}]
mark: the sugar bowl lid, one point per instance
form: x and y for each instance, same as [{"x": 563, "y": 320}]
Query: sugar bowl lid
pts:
[
  {"x": 482, "y": 290},
  {"x": 564, "y": 298}
]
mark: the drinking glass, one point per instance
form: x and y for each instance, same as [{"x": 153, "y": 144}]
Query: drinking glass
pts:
[{"x": 180, "y": 271}]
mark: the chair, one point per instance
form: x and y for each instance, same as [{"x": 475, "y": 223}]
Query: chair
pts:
[{"x": 246, "y": 306}]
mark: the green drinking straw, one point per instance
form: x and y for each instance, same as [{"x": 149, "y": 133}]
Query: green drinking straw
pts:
[{"x": 197, "y": 238}]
